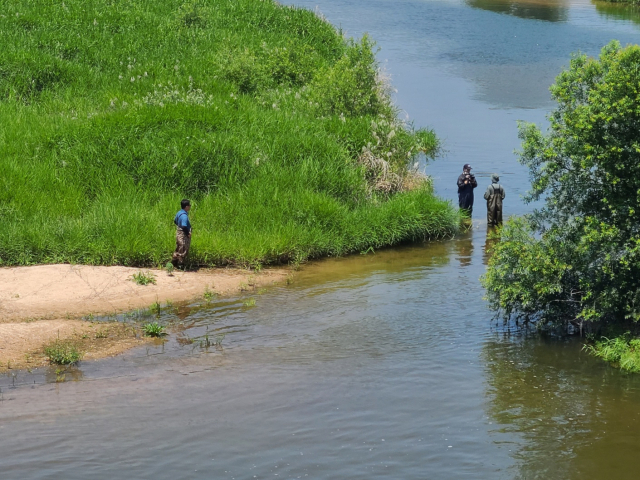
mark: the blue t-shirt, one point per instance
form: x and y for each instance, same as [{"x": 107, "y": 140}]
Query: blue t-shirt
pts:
[{"x": 182, "y": 221}]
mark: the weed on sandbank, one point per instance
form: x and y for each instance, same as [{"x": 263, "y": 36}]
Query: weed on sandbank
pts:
[
  {"x": 142, "y": 278},
  {"x": 153, "y": 329},
  {"x": 62, "y": 353}
]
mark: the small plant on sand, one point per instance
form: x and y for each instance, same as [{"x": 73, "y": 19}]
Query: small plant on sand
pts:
[
  {"x": 169, "y": 268},
  {"x": 256, "y": 266},
  {"x": 102, "y": 333},
  {"x": 62, "y": 353},
  {"x": 155, "y": 308},
  {"x": 209, "y": 295},
  {"x": 251, "y": 302},
  {"x": 142, "y": 278},
  {"x": 153, "y": 329}
]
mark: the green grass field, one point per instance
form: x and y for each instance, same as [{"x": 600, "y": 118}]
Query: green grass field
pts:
[{"x": 277, "y": 128}]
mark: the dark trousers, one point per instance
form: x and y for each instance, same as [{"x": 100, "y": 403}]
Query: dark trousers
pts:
[{"x": 465, "y": 202}]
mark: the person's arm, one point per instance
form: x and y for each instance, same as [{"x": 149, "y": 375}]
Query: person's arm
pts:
[
  {"x": 183, "y": 223},
  {"x": 487, "y": 193},
  {"x": 474, "y": 182},
  {"x": 461, "y": 181},
  {"x": 503, "y": 192}
]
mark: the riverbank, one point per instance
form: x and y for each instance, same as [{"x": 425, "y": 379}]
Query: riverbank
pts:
[
  {"x": 280, "y": 130},
  {"x": 40, "y": 304}
]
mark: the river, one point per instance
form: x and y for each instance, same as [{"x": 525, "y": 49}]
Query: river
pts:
[{"x": 385, "y": 365}]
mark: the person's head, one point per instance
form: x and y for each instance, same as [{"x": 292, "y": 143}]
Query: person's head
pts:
[
  {"x": 466, "y": 168},
  {"x": 495, "y": 178},
  {"x": 185, "y": 205}
]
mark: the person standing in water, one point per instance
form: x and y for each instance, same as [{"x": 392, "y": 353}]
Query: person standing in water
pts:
[
  {"x": 183, "y": 232},
  {"x": 494, "y": 197},
  {"x": 466, "y": 183}
]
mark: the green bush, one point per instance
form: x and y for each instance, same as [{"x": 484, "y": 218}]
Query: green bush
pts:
[
  {"x": 63, "y": 353},
  {"x": 577, "y": 259},
  {"x": 110, "y": 113}
]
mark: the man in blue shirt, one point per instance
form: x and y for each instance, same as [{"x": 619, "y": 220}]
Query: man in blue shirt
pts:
[{"x": 183, "y": 232}]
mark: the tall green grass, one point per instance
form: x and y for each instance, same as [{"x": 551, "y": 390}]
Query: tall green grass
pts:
[
  {"x": 111, "y": 111},
  {"x": 622, "y": 351}
]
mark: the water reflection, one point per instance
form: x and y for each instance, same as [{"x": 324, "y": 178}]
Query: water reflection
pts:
[
  {"x": 618, "y": 11},
  {"x": 575, "y": 416},
  {"x": 548, "y": 10},
  {"x": 61, "y": 374},
  {"x": 490, "y": 240},
  {"x": 463, "y": 247}
]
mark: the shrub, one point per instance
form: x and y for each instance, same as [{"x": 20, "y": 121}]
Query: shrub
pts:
[
  {"x": 63, "y": 353},
  {"x": 578, "y": 257}
]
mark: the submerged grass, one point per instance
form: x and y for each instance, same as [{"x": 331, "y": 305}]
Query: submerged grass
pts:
[{"x": 279, "y": 129}]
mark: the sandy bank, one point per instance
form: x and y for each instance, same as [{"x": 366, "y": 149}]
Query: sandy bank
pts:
[{"x": 41, "y": 303}]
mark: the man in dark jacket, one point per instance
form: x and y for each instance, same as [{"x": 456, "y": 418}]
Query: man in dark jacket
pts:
[
  {"x": 494, "y": 196},
  {"x": 466, "y": 183}
]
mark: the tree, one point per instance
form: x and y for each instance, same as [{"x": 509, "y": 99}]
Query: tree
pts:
[{"x": 578, "y": 257}]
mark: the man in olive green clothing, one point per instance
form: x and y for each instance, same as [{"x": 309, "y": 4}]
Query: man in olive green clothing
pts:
[{"x": 494, "y": 196}]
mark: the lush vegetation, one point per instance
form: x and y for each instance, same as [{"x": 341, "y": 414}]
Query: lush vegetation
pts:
[
  {"x": 279, "y": 129},
  {"x": 577, "y": 259},
  {"x": 622, "y": 350},
  {"x": 623, "y": 2}
]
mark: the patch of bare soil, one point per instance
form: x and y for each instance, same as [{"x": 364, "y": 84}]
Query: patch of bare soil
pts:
[
  {"x": 22, "y": 344},
  {"x": 41, "y": 304}
]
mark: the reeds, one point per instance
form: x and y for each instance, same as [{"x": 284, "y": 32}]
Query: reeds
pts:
[{"x": 258, "y": 112}]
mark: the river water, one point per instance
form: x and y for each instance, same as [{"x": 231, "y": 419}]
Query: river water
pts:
[{"x": 384, "y": 365}]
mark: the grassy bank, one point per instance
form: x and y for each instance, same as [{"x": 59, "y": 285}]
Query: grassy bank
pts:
[
  {"x": 279, "y": 129},
  {"x": 622, "y": 350}
]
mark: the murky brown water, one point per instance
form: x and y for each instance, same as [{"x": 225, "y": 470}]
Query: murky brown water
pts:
[{"x": 377, "y": 366}]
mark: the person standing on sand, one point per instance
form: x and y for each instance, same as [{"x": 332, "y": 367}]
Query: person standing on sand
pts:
[
  {"x": 494, "y": 197},
  {"x": 466, "y": 183},
  {"x": 183, "y": 233}
]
